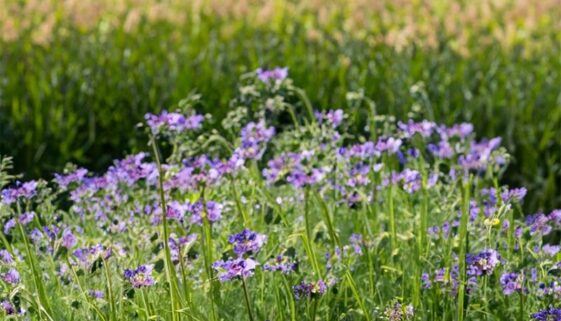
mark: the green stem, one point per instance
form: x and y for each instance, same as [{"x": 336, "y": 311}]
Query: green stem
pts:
[
  {"x": 110, "y": 291},
  {"x": 38, "y": 280},
  {"x": 171, "y": 277},
  {"x": 208, "y": 253},
  {"x": 247, "y": 304},
  {"x": 463, "y": 248},
  {"x": 84, "y": 294},
  {"x": 393, "y": 228}
]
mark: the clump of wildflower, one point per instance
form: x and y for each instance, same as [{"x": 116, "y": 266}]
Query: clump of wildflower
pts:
[
  {"x": 235, "y": 268},
  {"x": 8, "y": 307},
  {"x": 482, "y": 263},
  {"x": 399, "y": 312},
  {"x": 549, "y": 314},
  {"x": 276, "y": 74},
  {"x": 254, "y": 136},
  {"x": 96, "y": 294},
  {"x": 356, "y": 242},
  {"x": 64, "y": 180},
  {"x": 11, "y": 277},
  {"x": 309, "y": 290},
  {"x": 9, "y": 225},
  {"x": 247, "y": 241},
  {"x": 6, "y": 257},
  {"x": 173, "y": 122},
  {"x": 213, "y": 212},
  {"x": 511, "y": 282},
  {"x": 281, "y": 263},
  {"x": 26, "y": 218},
  {"x": 333, "y": 118},
  {"x": 177, "y": 245},
  {"x": 22, "y": 190},
  {"x": 140, "y": 277},
  {"x": 516, "y": 195},
  {"x": 68, "y": 239}
]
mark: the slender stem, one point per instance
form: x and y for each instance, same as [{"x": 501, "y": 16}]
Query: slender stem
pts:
[
  {"x": 247, "y": 302},
  {"x": 84, "y": 294},
  {"x": 207, "y": 252},
  {"x": 170, "y": 271},
  {"x": 110, "y": 291},
  {"x": 393, "y": 228},
  {"x": 38, "y": 280},
  {"x": 463, "y": 248},
  {"x": 521, "y": 315},
  {"x": 314, "y": 309}
]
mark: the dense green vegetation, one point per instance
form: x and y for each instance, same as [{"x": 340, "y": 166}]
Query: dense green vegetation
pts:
[{"x": 77, "y": 98}]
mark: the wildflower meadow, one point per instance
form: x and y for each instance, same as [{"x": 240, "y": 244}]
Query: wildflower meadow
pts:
[{"x": 281, "y": 211}]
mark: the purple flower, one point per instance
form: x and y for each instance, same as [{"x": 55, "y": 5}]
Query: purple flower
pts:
[
  {"x": 173, "y": 122},
  {"x": 26, "y": 218},
  {"x": 390, "y": 145},
  {"x": 309, "y": 290},
  {"x": 399, "y": 312},
  {"x": 462, "y": 130},
  {"x": 482, "y": 263},
  {"x": 549, "y": 314},
  {"x": 247, "y": 241},
  {"x": 333, "y": 118},
  {"x": 11, "y": 277},
  {"x": 551, "y": 250},
  {"x": 424, "y": 128},
  {"x": 140, "y": 277},
  {"x": 22, "y": 190},
  {"x": 76, "y": 176},
  {"x": 96, "y": 294},
  {"x": 9, "y": 225},
  {"x": 6, "y": 257},
  {"x": 214, "y": 212},
  {"x": 511, "y": 283},
  {"x": 68, "y": 239},
  {"x": 357, "y": 242},
  {"x": 276, "y": 74},
  {"x": 254, "y": 137},
  {"x": 8, "y": 307},
  {"x": 425, "y": 279},
  {"x": 516, "y": 194},
  {"x": 176, "y": 245},
  {"x": 234, "y": 268},
  {"x": 281, "y": 263},
  {"x": 539, "y": 224}
]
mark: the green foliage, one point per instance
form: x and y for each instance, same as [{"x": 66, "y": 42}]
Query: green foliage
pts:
[{"x": 78, "y": 98}]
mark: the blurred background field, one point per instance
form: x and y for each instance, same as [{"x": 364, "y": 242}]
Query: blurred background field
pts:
[{"x": 76, "y": 76}]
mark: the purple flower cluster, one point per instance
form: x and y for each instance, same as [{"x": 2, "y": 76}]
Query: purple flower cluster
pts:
[
  {"x": 549, "y": 314},
  {"x": 512, "y": 282},
  {"x": 276, "y": 74},
  {"x": 254, "y": 137},
  {"x": 333, "y": 118},
  {"x": 281, "y": 263},
  {"x": 399, "y": 312},
  {"x": 235, "y": 268},
  {"x": 176, "y": 245},
  {"x": 140, "y": 277},
  {"x": 11, "y": 277},
  {"x": 22, "y": 190},
  {"x": 482, "y": 263},
  {"x": 173, "y": 122},
  {"x": 64, "y": 180},
  {"x": 541, "y": 224},
  {"x": 309, "y": 290},
  {"x": 213, "y": 212},
  {"x": 247, "y": 242}
]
